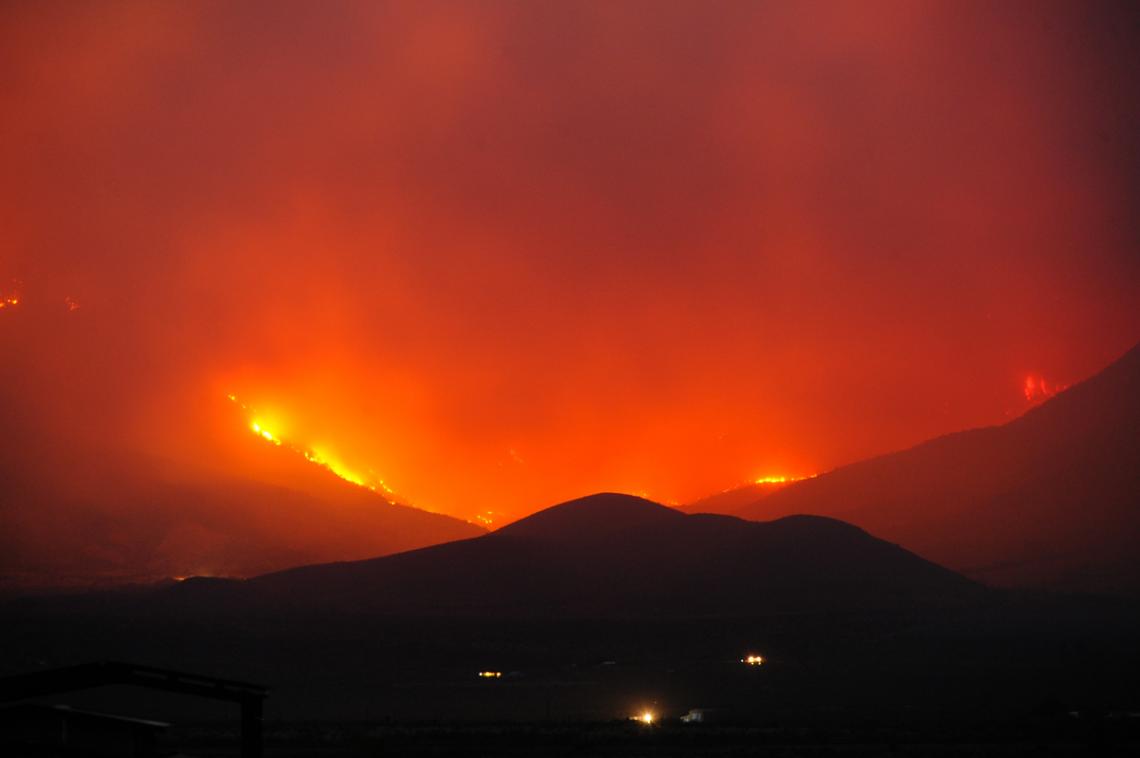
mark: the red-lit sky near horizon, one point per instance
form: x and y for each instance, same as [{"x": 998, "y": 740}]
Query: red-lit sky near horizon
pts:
[{"x": 507, "y": 253}]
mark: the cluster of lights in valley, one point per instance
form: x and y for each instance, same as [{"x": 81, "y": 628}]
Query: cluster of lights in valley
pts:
[
  {"x": 644, "y": 716},
  {"x": 648, "y": 718}
]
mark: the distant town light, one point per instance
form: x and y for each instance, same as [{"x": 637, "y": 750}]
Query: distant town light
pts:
[
  {"x": 490, "y": 674},
  {"x": 753, "y": 660},
  {"x": 694, "y": 716}
]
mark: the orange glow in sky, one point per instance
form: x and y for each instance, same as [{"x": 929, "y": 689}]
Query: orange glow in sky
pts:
[{"x": 507, "y": 254}]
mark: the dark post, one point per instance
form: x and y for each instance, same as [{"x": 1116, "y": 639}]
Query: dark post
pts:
[{"x": 251, "y": 727}]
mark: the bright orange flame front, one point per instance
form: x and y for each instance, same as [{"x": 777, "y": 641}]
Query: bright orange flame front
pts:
[
  {"x": 264, "y": 433},
  {"x": 315, "y": 456},
  {"x": 1036, "y": 388},
  {"x": 782, "y": 479}
]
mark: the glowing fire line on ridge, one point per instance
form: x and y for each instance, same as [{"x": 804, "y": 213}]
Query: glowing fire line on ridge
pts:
[
  {"x": 376, "y": 485},
  {"x": 783, "y": 479},
  {"x": 1037, "y": 388}
]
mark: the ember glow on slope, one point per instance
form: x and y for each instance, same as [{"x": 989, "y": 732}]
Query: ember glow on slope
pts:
[
  {"x": 511, "y": 253},
  {"x": 781, "y": 479},
  {"x": 317, "y": 457},
  {"x": 14, "y": 298},
  {"x": 1036, "y": 388},
  {"x": 9, "y": 300}
]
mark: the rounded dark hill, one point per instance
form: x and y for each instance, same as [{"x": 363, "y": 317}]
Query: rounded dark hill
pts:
[
  {"x": 591, "y": 516},
  {"x": 610, "y": 554}
]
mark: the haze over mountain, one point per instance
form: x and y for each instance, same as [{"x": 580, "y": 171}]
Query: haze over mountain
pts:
[
  {"x": 732, "y": 501},
  {"x": 611, "y": 554},
  {"x": 78, "y": 515},
  {"x": 1051, "y": 499},
  {"x": 89, "y": 495}
]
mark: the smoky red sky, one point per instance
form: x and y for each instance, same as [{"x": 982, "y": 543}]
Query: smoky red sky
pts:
[{"x": 502, "y": 254}]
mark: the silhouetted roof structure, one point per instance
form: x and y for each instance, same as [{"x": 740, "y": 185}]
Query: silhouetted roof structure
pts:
[
  {"x": 31, "y": 729},
  {"x": 103, "y": 673}
]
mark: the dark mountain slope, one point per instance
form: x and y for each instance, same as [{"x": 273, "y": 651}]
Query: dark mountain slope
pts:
[
  {"x": 79, "y": 516},
  {"x": 620, "y": 555},
  {"x": 732, "y": 501},
  {"x": 115, "y": 469},
  {"x": 1051, "y": 499}
]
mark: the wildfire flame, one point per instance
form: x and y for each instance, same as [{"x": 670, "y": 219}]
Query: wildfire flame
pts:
[
  {"x": 13, "y": 299},
  {"x": 782, "y": 479},
  {"x": 264, "y": 433},
  {"x": 1036, "y": 388},
  {"x": 259, "y": 427}
]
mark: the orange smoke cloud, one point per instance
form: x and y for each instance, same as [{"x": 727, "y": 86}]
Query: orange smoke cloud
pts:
[{"x": 510, "y": 253}]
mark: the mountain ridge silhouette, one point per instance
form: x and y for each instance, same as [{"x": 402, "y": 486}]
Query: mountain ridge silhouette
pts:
[
  {"x": 1048, "y": 500},
  {"x": 610, "y": 554}
]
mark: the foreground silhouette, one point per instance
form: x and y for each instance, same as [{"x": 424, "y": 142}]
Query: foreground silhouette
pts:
[{"x": 615, "y": 555}]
